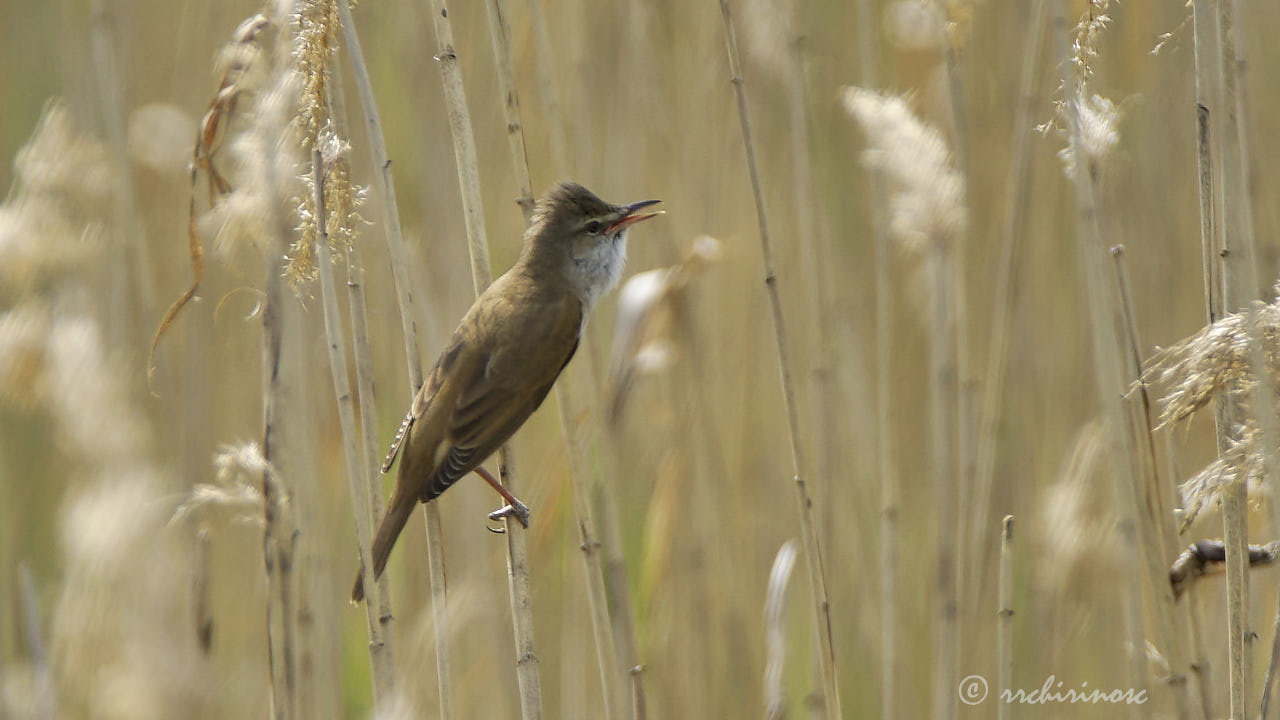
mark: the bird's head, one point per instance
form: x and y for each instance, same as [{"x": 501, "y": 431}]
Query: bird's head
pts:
[{"x": 582, "y": 238}]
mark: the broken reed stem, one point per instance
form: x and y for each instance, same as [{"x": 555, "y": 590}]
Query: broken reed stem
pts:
[
  {"x": 1159, "y": 495},
  {"x": 889, "y": 494},
  {"x": 1004, "y": 618},
  {"x": 812, "y": 549},
  {"x": 1109, "y": 368},
  {"x": 381, "y": 662},
  {"x": 464, "y": 150},
  {"x": 1018, "y": 193},
  {"x": 517, "y": 561}
]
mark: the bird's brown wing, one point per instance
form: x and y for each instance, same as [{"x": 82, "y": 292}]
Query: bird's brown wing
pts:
[
  {"x": 498, "y": 400},
  {"x": 423, "y": 398}
]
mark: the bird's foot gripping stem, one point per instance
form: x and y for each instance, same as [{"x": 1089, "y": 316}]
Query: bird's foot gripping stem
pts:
[{"x": 514, "y": 508}]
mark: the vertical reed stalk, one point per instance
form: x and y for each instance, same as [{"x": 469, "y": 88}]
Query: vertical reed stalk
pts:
[
  {"x": 500, "y": 37},
  {"x": 1239, "y": 282},
  {"x": 1158, "y": 499},
  {"x": 869, "y": 75},
  {"x": 1004, "y": 614},
  {"x": 624, "y": 649},
  {"x": 1013, "y": 228},
  {"x": 377, "y": 605},
  {"x": 464, "y": 148},
  {"x": 1214, "y": 296},
  {"x": 385, "y": 185},
  {"x": 812, "y": 550},
  {"x": 356, "y": 463},
  {"x": 951, "y": 408},
  {"x": 408, "y": 319},
  {"x": 573, "y": 433},
  {"x": 277, "y": 409},
  {"x": 589, "y": 544},
  {"x": 943, "y": 412},
  {"x": 1109, "y": 368},
  {"x": 521, "y": 608},
  {"x": 1262, "y": 398}
]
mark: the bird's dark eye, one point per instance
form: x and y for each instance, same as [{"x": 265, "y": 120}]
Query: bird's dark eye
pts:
[{"x": 593, "y": 227}]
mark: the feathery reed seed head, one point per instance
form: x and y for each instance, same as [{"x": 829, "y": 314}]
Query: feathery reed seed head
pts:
[{"x": 928, "y": 205}]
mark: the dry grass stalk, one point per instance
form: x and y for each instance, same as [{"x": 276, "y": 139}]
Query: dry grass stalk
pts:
[
  {"x": 1240, "y": 278},
  {"x": 953, "y": 402},
  {"x": 775, "y": 29},
  {"x": 1238, "y": 254},
  {"x": 324, "y": 158},
  {"x": 1013, "y": 227},
  {"x": 927, "y": 214},
  {"x": 390, "y": 214},
  {"x": 889, "y": 492},
  {"x": 386, "y": 190},
  {"x": 808, "y": 529},
  {"x": 329, "y": 217},
  {"x": 260, "y": 209}
]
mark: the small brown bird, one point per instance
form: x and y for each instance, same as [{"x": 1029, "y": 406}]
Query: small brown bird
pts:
[{"x": 506, "y": 354}]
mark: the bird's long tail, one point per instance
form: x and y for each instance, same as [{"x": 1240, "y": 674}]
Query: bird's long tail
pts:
[{"x": 398, "y": 511}]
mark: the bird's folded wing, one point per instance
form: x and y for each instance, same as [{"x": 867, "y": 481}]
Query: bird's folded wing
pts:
[
  {"x": 423, "y": 398},
  {"x": 499, "y": 399}
]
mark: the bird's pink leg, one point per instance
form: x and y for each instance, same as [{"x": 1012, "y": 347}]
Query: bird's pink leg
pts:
[{"x": 514, "y": 507}]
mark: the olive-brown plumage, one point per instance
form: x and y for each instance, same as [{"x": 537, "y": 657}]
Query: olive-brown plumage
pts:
[{"x": 507, "y": 352}]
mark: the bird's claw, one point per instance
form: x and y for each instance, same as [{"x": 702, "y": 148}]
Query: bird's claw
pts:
[{"x": 518, "y": 510}]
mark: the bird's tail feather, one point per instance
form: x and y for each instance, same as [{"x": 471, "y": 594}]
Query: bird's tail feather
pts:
[{"x": 398, "y": 511}]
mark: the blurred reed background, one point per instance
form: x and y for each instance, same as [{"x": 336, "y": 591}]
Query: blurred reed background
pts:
[{"x": 132, "y": 531}]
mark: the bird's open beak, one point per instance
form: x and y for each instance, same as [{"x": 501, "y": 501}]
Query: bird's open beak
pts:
[{"x": 631, "y": 217}]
